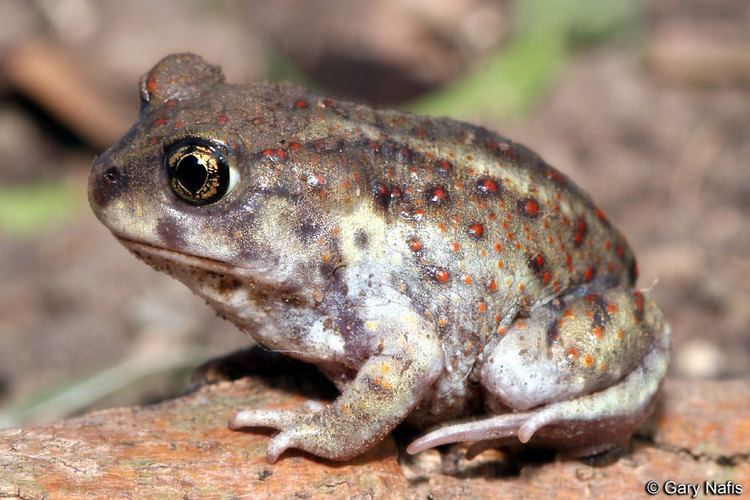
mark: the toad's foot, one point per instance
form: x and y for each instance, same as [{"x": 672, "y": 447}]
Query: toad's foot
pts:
[{"x": 385, "y": 390}]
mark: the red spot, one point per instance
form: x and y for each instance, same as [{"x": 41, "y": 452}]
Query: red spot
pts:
[
  {"x": 295, "y": 146},
  {"x": 498, "y": 247},
  {"x": 492, "y": 285},
  {"x": 487, "y": 186},
  {"x": 455, "y": 246},
  {"x": 580, "y": 233},
  {"x": 437, "y": 195},
  {"x": 588, "y": 274},
  {"x": 444, "y": 167},
  {"x": 151, "y": 84},
  {"x": 415, "y": 245},
  {"x": 476, "y": 230},
  {"x": 160, "y": 121},
  {"x": 222, "y": 119},
  {"x": 274, "y": 154},
  {"x": 569, "y": 262},
  {"x": 546, "y": 277},
  {"x": 598, "y": 331},
  {"x": 300, "y": 104},
  {"x": 599, "y": 214},
  {"x": 530, "y": 207},
  {"x": 572, "y": 354},
  {"x": 555, "y": 176},
  {"x": 395, "y": 193},
  {"x": 501, "y": 330},
  {"x": 441, "y": 276},
  {"x": 619, "y": 250}
]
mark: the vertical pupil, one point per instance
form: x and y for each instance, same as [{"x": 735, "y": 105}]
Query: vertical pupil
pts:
[{"x": 191, "y": 173}]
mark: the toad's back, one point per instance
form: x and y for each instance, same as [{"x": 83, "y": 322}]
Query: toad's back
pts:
[{"x": 474, "y": 228}]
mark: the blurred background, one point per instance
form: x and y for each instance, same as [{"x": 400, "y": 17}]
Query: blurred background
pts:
[{"x": 646, "y": 105}]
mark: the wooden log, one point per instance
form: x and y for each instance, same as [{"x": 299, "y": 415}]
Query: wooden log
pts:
[{"x": 182, "y": 448}]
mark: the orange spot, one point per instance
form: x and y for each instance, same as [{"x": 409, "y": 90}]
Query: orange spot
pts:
[
  {"x": 546, "y": 277},
  {"x": 415, "y": 245},
  {"x": 531, "y": 207},
  {"x": 572, "y": 354},
  {"x": 588, "y": 361},
  {"x": 620, "y": 334},
  {"x": 295, "y": 146},
  {"x": 151, "y": 84},
  {"x": 222, "y": 118},
  {"x": 455, "y": 246},
  {"x": 602, "y": 366},
  {"x": 467, "y": 279},
  {"x": 441, "y": 226},
  {"x": 497, "y": 318},
  {"x": 492, "y": 285},
  {"x": 598, "y": 332},
  {"x": 482, "y": 307},
  {"x": 442, "y": 322},
  {"x": 568, "y": 313},
  {"x": 501, "y": 264},
  {"x": 588, "y": 274},
  {"x": 326, "y": 257},
  {"x": 476, "y": 230},
  {"x": 442, "y": 276},
  {"x": 611, "y": 308},
  {"x": 521, "y": 324},
  {"x": 498, "y": 247},
  {"x": 521, "y": 287},
  {"x": 501, "y": 330}
]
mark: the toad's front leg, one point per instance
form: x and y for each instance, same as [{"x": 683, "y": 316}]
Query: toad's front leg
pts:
[{"x": 406, "y": 360}]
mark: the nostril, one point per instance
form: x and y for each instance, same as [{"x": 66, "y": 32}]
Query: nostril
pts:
[
  {"x": 107, "y": 185},
  {"x": 112, "y": 175}
]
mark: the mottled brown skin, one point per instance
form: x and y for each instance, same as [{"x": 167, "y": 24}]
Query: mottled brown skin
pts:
[{"x": 432, "y": 269}]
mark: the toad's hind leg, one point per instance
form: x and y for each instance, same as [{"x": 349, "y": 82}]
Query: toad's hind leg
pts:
[{"x": 579, "y": 374}]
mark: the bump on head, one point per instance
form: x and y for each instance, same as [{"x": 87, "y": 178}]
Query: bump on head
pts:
[{"x": 178, "y": 77}]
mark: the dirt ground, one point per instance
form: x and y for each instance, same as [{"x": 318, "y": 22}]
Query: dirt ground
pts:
[{"x": 659, "y": 136}]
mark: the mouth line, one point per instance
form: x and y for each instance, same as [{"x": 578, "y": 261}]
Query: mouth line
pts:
[{"x": 207, "y": 263}]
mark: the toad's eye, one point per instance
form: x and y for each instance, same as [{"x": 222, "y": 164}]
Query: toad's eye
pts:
[{"x": 199, "y": 171}]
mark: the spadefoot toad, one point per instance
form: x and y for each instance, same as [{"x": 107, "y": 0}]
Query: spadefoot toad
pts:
[{"x": 435, "y": 271}]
